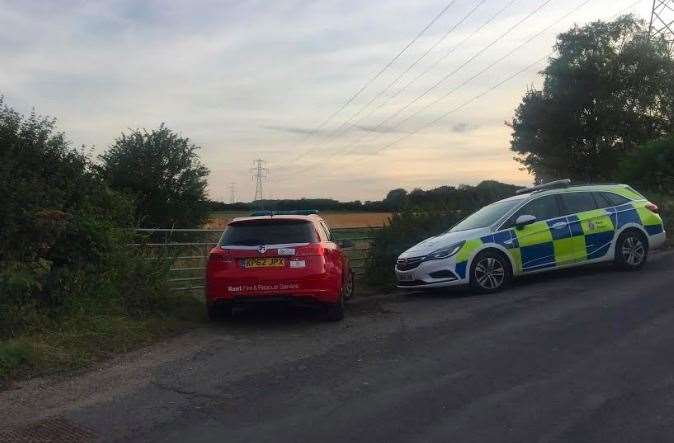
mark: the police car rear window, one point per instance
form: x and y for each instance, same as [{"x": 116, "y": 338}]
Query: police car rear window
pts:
[
  {"x": 269, "y": 232},
  {"x": 608, "y": 199}
]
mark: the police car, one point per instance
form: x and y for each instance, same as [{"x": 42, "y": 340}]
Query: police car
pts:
[{"x": 550, "y": 226}]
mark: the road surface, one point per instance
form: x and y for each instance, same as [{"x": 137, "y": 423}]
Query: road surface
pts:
[{"x": 579, "y": 355}]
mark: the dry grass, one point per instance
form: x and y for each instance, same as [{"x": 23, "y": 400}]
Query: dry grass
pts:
[{"x": 219, "y": 220}]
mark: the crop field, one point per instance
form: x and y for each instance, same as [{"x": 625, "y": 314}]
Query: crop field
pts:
[{"x": 337, "y": 220}]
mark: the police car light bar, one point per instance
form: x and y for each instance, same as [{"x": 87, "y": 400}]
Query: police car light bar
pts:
[
  {"x": 545, "y": 186},
  {"x": 295, "y": 212}
]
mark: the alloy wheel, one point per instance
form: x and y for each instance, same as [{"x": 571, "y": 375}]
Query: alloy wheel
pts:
[
  {"x": 633, "y": 250},
  {"x": 489, "y": 273}
]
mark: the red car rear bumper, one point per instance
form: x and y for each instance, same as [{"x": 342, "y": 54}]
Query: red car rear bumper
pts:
[{"x": 323, "y": 287}]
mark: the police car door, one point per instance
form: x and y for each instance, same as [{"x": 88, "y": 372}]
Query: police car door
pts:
[
  {"x": 591, "y": 228},
  {"x": 543, "y": 244}
]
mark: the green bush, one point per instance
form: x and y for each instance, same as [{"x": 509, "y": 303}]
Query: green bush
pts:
[
  {"x": 64, "y": 236},
  {"x": 665, "y": 203},
  {"x": 161, "y": 171},
  {"x": 403, "y": 231},
  {"x": 651, "y": 166},
  {"x": 14, "y": 354}
]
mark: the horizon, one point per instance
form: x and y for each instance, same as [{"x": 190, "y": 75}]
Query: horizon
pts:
[{"x": 244, "y": 81}]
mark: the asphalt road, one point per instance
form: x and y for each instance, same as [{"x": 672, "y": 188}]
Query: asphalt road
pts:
[{"x": 581, "y": 355}]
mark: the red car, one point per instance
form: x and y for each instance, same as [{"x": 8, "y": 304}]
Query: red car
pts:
[{"x": 278, "y": 256}]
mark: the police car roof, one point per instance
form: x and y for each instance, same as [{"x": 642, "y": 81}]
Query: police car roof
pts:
[{"x": 570, "y": 188}]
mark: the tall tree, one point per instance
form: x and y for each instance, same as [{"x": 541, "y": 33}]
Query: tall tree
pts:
[
  {"x": 52, "y": 204},
  {"x": 608, "y": 89},
  {"x": 162, "y": 172}
]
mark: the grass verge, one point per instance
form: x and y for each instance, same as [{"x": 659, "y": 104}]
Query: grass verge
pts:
[{"x": 84, "y": 338}]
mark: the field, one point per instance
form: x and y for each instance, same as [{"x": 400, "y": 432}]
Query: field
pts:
[{"x": 337, "y": 220}]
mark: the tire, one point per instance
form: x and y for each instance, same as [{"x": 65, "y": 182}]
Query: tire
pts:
[
  {"x": 631, "y": 250},
  {"x": 349, "y": 286},
  {"x": 490, "y": 272},
  {"x": 219, "y": 311}
]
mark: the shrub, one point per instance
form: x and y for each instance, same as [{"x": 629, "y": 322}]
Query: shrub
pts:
[
  {"x": 651, "y": 166},
  {"x": 63, "y": 235},
  {"x": 14, "y": 354},
  {"x": 403, "y": 231}
]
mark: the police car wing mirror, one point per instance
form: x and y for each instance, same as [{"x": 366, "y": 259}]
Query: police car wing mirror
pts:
[{"x": 524, "y": 220}]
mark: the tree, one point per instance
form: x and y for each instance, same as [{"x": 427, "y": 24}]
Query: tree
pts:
[
  {"x": 608, "y": 90},
  {"x": 49, "y": 193},
  {"x": 651, "y": 167},
  {"x": 161, "y": 171},
  {"x": 59, "y": 223},
  {"x": 395, "y": 199}
]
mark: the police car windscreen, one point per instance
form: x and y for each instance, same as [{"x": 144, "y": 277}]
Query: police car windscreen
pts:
[
  {"x": 268, "y": 232},
  {"x": 486, "y": 216}
]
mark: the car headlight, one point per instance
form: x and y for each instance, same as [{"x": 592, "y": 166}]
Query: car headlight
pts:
[{"x": 445, "y": 252}]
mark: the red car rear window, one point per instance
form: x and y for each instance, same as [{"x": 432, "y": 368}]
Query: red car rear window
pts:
[{"x": 269, "y": 232}]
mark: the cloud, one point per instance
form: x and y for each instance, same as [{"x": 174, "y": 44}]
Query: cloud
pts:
[
  {"x": 463, "y": 127},
  {"x": 255, "y": 78}
]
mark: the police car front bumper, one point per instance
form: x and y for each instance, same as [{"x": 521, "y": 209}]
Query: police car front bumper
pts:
[{"x": 428, "y": 274}]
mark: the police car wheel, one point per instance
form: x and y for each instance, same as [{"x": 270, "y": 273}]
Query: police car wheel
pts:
[
  {"x": 631, "y": 250},
  {"x": 490, "y": 272}
]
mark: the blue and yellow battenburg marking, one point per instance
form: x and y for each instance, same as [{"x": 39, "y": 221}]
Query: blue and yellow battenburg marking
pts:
[{"x": 565, "y": 240}]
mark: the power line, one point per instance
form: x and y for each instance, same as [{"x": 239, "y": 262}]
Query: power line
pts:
[
  {"x": 351, "y": 146},
  {"x": 447, "y": 54},
  {"x": 380, "y": 72},
  {"x": 483, "y": 93},
  {"x": 491, "y": 65},
  {"x": 400, "y": 76},
  {"x": 463, "y": 65},
  {"x": 487, "y": 91}
]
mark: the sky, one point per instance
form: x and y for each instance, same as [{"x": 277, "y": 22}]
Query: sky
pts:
[{"x": 314, "y": 88}]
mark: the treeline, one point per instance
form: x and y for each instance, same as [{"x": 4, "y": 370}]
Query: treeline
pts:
[
  {"x": 444, "y": 197},
  {"x": 321, "y": 204}
]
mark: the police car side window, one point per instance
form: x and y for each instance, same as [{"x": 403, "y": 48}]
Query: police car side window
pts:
[
  {"x": 543, "y": 208},
  {"x": 603, "y": 201},
  {"x": 613, "y": 199},
  {"x": 575, "y": 202}
]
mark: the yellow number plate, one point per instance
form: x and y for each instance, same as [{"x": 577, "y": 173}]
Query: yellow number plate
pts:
[{"x": 271, "y": 262}]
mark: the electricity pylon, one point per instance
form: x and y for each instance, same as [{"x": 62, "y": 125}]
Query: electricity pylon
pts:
[
  {"x": 662, "y": 20},
  {"x": 232, "y": 192},
  {"x": 259, "y": 174}
]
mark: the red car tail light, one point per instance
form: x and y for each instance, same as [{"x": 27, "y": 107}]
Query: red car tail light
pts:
[
  {"x": 309, "y": 250},
  {"x": 217, "y": 258},
  {"x": 653, "y": 208},
  {"x": 216, "y": 255}
]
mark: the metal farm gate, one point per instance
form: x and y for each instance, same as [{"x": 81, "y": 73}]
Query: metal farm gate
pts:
[{"x": 187, "y": 250}]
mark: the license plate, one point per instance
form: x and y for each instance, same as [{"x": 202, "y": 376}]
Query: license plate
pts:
[
  {"x": 405, "y": 277},
  {"x": 266, "y": 262}
]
